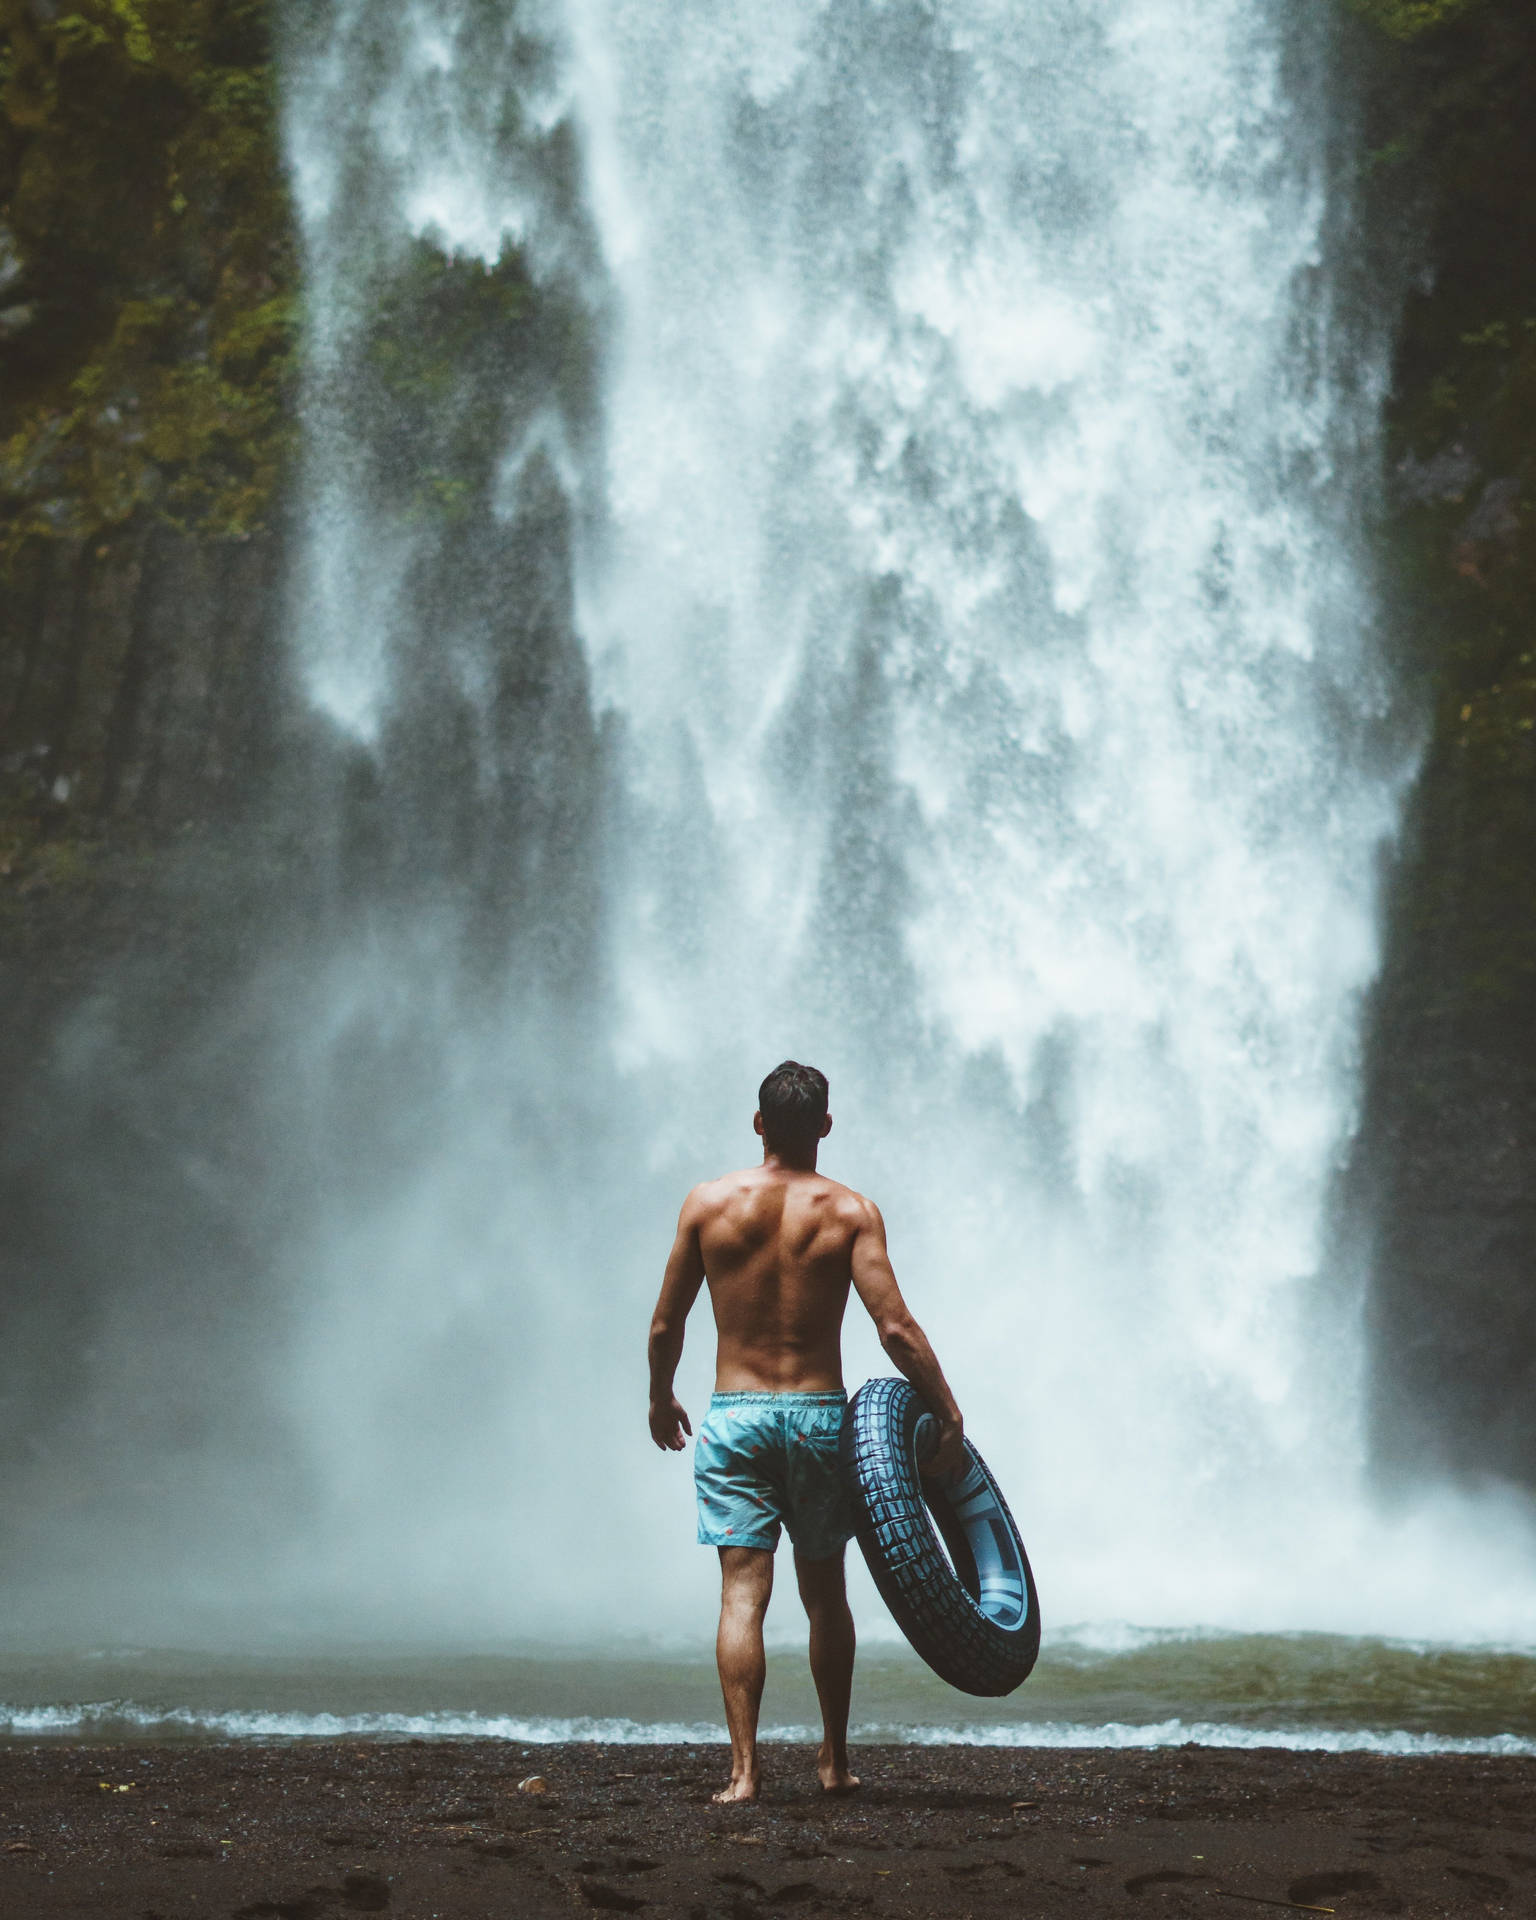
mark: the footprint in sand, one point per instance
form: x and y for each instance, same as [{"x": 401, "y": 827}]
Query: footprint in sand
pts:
[
  {"x": 1489, "y": 1883},
  {"x": 618, "y": 1863},
  {"x": 358, "y": 1893},
  {"x": 1165, "y": 1877},
  {"x": 364, "y": 1892},
  {"x": 1312, "y": 1887},
  {"x": 597, "y": 1893}
]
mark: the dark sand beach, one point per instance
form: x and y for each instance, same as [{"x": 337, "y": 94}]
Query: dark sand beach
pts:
[{"x": 441, "y": 1831}]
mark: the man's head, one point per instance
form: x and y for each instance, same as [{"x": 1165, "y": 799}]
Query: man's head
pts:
[{"x": 792, "y": 1110}]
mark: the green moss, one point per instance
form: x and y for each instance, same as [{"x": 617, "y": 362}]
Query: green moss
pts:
[
  {"x": 431, "y": 368},
  {"x": 158, "y": 376},
  {"x": 136, "y": 41},
  {"x": 1408, "y": 19}
]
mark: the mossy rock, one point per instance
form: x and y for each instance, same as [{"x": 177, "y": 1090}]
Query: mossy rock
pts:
[
  {"x": 1411, "y": 19},
  {"x": 151, "y": 363}
]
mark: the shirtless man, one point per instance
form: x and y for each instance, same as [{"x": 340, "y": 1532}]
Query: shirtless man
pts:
[{"x": 779, "y": 1245}]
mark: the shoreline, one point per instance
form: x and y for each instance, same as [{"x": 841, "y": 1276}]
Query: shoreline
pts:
[
  {"x": 417, "y": 1828},
  {"x": 110, "y": 1723}
]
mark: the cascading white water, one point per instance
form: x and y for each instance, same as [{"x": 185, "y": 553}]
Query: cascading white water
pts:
[
  {"x": 970, "y": 578},
  {"x": 976, "y": 420}
]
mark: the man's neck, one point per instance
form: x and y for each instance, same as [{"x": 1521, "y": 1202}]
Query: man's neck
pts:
[{"x": 790, "y": 1162}]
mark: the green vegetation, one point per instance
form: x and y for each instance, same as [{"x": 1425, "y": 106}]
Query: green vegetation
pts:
[
  {"x": 427, "y": 402},
  {"x": 147, "y": 273},
  {"x": 1407, "y": 19},
  {"x": 148, "y": 304}
]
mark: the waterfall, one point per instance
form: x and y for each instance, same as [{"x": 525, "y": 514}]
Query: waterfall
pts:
[{"x": 934, "y": 515}]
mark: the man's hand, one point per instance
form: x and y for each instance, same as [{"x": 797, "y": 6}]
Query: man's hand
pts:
[
  {"x": 949, "y": 1455},
  {"x": 669, "y": 1423}
]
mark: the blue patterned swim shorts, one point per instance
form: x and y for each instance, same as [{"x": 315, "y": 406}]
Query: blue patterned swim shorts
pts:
[{"x": 766, "y": 1459}]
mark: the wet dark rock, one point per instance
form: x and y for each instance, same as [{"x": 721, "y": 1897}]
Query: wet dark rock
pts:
[
  {"x": 145, "y": 672},
  {"x": 1496, "y": 515},
  {"x": 1446, "y": 475}
]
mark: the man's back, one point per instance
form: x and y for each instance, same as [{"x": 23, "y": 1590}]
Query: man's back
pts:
[{"x": 777, "y": 1244}]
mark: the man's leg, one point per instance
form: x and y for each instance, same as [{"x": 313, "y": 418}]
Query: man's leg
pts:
[
  {"x": 746, "y": 1581},
  {"x": 832, "y": 1648}
]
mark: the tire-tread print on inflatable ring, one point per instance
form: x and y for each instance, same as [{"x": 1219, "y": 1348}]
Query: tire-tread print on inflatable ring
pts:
[{"x": 976, "y": 1622}]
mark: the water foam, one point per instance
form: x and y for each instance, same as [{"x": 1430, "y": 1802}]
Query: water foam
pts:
[{"x": 122, "y": 1719}]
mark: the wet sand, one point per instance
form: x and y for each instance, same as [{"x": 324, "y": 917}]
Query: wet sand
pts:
[{"x": 441, "y": 1831}]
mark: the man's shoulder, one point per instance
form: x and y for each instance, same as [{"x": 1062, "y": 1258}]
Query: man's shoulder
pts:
[
  {"x": 847, "y": 1203},
  {"x": 710, "y": 1195},
  {"x": 858, "y": 1206}
]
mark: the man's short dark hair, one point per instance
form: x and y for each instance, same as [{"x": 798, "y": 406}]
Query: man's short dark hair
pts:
[{"x": 793, "y": 1103}]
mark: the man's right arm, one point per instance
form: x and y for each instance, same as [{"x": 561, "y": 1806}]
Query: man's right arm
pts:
[
  {"x": 679, "y": 1289},
  {"x": 874, "y": 1281}
]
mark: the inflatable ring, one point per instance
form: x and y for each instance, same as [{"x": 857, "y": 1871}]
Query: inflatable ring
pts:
[{"x": 971, "y": 1611}]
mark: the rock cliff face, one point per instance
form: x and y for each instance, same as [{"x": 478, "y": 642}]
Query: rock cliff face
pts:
[
  {"x": 167, "y": 804},
  {"x": 143, "y": 685},
  {"x": 1449, "y": 1149},
  {"x": 146, "y": 268},
  {"x": 146, "y": 263}
]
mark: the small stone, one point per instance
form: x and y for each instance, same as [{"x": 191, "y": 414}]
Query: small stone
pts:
[{"x": 535, "y": 1783}]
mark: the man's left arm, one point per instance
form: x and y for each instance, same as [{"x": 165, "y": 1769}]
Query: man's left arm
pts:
[{"x": 679, "y": 1289}]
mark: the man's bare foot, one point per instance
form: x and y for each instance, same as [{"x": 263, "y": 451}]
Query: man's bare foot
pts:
[
  {"x": 738, "y": 1791},
  {"x": 834, "y": 1774}
]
